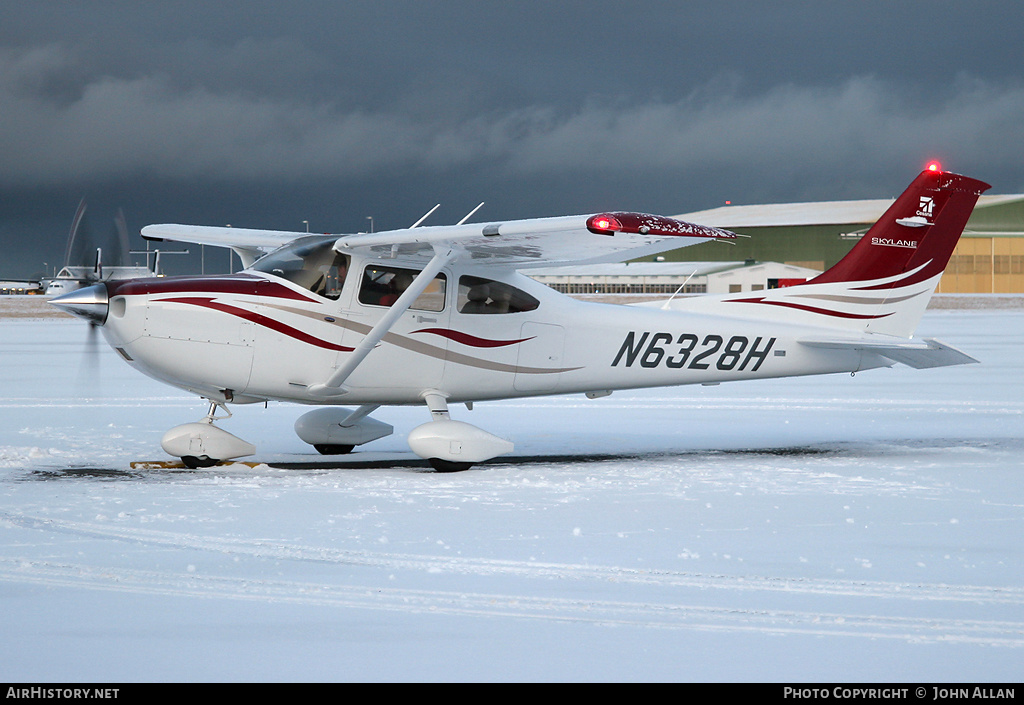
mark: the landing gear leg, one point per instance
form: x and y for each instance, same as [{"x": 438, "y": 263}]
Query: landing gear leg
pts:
[{"x": 211, "y": 415}]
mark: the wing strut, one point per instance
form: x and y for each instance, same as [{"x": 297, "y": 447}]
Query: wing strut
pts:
[
  {"x": 332, "y": 386},
  {"x": 357, "y": 415}
]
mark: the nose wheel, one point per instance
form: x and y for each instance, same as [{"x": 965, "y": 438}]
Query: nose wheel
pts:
[{"x": 192, "y": 462}]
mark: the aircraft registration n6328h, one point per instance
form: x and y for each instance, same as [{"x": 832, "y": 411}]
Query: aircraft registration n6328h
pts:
[{"x": 442, "y": 315}]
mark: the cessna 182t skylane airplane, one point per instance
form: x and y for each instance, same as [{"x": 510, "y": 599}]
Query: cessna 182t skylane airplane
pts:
[{"x": 441, "y": 315}]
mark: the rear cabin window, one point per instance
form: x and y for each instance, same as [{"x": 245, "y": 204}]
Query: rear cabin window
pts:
[
  {"x": 479, "y": 295},
  {"x": 382, "y": 286}
]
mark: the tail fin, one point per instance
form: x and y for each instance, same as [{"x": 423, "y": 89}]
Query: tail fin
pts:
[
  {"x": 884, "y": 283},
  {"x": 913, "y": 240}
]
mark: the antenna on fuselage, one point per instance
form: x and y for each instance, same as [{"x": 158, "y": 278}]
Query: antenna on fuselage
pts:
[
  {"x": 470, "y": 214},
  {"x": 665, "y": 306},
  {"x": 425, "y": 216}
]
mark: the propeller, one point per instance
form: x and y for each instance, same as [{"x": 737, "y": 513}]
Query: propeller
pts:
[
  {"x": 88, "y": 297},
  {"x": 89, "y": 366},
  {"x": 85, "y": 250},
  {"x": 76, "y": 222},
  {"x": 89, "y": 303}
]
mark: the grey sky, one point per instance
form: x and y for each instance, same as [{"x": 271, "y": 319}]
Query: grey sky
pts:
[{"x": 263, "y": 114}]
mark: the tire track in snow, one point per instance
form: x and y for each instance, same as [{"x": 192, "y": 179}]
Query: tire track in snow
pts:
[
  {"x": 814, "y": 403},
  {"x": 650, "y": 614},
  {"x": 973, "y": 594},
  {"x": 597, "y": 612}
]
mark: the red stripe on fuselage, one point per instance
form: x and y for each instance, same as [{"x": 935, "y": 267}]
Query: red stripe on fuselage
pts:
[
  {"x": 232, "y": 284},
  {"x": 258, "y": 319},
  {"x": 471, "y": 340},
  {"x": 811, "y": 309}
]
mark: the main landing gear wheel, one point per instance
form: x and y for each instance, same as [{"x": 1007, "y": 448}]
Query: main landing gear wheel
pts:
[
  {"x": 329, "y": 449},
  {"x": 441, "y": 465}
]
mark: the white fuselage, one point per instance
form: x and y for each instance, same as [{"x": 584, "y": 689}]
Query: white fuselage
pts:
[
  {"x": 255, "y": 336},
  {"x": 441, "y": 314}
]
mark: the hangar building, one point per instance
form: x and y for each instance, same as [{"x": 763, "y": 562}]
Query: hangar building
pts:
[{"x": 670, "y": 277}]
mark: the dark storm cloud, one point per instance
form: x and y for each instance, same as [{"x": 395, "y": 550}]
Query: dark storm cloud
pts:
[
  {"x": 115, "y": 128},
  {"x": 275, "y": 113},
  {"x": 119, "y": 128}
]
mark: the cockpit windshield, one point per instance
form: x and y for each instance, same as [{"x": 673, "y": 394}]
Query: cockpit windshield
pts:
[{"x": 310, "y": 262}]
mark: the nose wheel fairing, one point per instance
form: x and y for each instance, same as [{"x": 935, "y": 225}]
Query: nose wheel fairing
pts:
[{"x": 201, "y": 444}]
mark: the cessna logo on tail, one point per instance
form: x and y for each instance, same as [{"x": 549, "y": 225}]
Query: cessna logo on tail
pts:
[{"x": 921, "y": 218}]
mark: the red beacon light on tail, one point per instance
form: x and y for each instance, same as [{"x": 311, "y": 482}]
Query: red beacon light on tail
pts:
[{"x": 934, "y": 166}]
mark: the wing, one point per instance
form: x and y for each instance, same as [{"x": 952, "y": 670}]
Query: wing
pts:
[
  {"x": 520, "y": 244},
  {"x": 541, "y": 242}
]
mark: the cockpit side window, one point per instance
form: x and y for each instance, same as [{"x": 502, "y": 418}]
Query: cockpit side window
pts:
[
  {"x": 479, "y": 295},
  {"x": 381, "y": 286},
  {"x": 311, "y": 263}
]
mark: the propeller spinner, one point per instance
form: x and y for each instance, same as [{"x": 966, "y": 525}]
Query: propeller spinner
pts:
[{"x": 90, "y": 303}]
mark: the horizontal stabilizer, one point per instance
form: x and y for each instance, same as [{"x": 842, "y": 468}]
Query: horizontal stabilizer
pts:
[{"x": 919, "y": 354}]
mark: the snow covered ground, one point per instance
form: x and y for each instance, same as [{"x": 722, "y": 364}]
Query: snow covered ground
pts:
[{"x": 866, "y": 528}]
